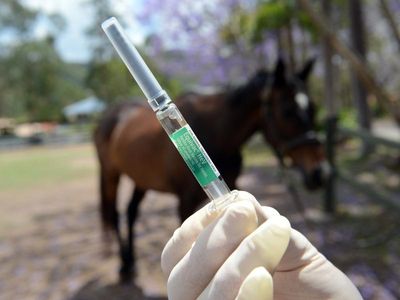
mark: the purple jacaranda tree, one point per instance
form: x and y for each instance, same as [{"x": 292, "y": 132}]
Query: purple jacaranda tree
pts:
[{"x": 185, "y": 41}]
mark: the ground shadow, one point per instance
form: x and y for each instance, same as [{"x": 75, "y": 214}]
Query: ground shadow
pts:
[{"x": 96, "y": 290}]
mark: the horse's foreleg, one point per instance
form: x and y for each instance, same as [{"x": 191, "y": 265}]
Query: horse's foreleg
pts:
[
  {"x": 128, "y": 251},
  {"x": 189, "y": 202}
]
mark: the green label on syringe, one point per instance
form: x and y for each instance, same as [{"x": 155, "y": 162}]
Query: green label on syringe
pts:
[{"x": 194, "y": 155}]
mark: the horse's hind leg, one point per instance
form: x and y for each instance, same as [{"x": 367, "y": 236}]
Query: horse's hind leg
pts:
[
  {"x": 128, "y": 252},
  {"x": 108, "y": 206}
]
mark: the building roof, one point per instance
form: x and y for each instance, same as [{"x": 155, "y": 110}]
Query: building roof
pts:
[{"x": 87, "y": 106}]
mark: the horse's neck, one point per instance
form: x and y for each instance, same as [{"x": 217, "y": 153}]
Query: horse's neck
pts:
[
  {"x": 222, "y": 125},
  {"x": 240, "y": 123}
]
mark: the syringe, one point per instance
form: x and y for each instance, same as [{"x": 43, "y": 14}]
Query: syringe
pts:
[{"x": 170, "y": 118}]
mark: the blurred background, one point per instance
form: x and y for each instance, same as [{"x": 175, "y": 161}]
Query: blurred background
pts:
[{"x": 59, "y": 73}]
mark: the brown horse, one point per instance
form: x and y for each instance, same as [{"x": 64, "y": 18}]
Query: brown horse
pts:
[{"x": 129, "y": 140}]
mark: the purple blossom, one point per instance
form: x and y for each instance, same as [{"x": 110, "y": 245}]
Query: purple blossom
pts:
[{"x": 186, "y": 41}]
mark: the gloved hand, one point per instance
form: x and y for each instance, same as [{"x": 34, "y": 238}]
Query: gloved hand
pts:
[{"x": 248, "y": 252}]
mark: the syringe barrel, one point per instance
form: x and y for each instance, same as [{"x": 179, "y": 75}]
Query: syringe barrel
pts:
[
  {"x": 131, "y": 57},
  {"x": 192, "y": 152}
]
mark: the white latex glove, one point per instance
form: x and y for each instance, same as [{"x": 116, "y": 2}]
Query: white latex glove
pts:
[{"x": 248, "y": 252}]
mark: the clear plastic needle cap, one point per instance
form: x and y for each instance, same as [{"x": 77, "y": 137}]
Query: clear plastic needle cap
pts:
[{"x": 132, "y": 59}]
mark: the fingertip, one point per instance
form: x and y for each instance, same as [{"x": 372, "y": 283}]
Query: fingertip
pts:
[
  {"x": 258, "y": 285},
  {"x": 246, "y": 196},
  {"x": 269, "y": 212},
  {"x": 271, "y": 240},
  {"x": 242, "y": 213},
  {"x": 184, "y": 237},
  {"x": 276, "y": 226},
  {"x": 281, "y": 223}
]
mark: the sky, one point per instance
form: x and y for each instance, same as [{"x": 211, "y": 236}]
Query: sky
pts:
[{"x": 72, "y": 43}]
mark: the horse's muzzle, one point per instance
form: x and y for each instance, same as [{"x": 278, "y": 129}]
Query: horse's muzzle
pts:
[{"x": 317, "y": 177}]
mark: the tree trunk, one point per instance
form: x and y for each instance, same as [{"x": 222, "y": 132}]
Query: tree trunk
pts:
[
  {"x": 331, "y": 109},
  {"x": 304, "y": 47},
  {"x": 291, "y": 60},
  {"x": 285, "y": 47},
  {"x": 357, "y": 34},
  {"x": 359, "y": 67},
  {"x": 391, "y": 21},
  {"x": 279, "y": 42},
  {"x": 329, "y": 88}
]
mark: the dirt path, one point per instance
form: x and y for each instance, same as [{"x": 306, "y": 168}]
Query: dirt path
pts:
[{"x": 50, "y": 243}]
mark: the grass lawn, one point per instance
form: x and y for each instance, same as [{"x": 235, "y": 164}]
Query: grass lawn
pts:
[
  {"x": 41, "y": 166},
  {"x": 20, "y": 169}
]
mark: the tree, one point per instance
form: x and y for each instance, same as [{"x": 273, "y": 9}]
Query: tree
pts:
[
  {"x": 36, "y": 86},
  {"x": 357, "y": 33},
  {"x": 391, "y": 21},
  {"x": 285, "y": 19},
  {"x": 107, "y": 76},
  {"x": 16, "y": 17},
  {"x": 329, "y": 84},
  {"x": 359, "y": 67},
  {"x": 101, "y": 48},
  {"x": 194, "y": 45},
  {"x": 110, "y": 80}
]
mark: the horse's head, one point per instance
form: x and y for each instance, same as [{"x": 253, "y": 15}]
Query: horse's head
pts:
[{"x": 288, "y": 123}]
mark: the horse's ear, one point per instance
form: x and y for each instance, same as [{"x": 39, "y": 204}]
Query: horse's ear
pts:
[
  {"x": 280, "y": 72},
  {"x": 260, "y": 78},
  {"x": 306, "y": 71}
]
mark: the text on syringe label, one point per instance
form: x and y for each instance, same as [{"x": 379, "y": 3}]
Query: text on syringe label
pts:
[{"x": 194, "y": 155}]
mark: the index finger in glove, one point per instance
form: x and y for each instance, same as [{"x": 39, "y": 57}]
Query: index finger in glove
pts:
[
  {"x": 258, "y": 285},
  {"x": 214, "y": 245},
  {"x": 264, "y": 247},
  {"x": 184, "y": 237}
]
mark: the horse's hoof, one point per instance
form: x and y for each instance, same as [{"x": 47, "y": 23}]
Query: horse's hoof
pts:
[
  {"x": 126, "y": 275},
  {"x": 125, "y": 279}
]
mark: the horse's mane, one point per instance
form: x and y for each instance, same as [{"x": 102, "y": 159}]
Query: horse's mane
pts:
[{"x": 239, "y": 94}]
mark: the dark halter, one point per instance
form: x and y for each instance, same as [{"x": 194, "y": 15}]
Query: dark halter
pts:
[{"x": 307, "y": 138}]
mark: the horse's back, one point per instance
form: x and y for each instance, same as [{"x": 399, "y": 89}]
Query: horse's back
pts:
[{"x": 136, "y": 145}]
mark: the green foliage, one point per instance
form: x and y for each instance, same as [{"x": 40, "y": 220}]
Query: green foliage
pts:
[
  {"x": 270, "y": 15},
  {"x": 35, "y": 88},
  {"x": 240, "y": 24},
  {"x": 101, "y": 48},
  {"x": 111, "y": 80},
  {"x": 348, "y": 118},
  {"x": 14, "y": 15},
  {"x": 107, "y": 76},
  {"x": 276, "y": 14},
  {"x": 36, "y": 84}
]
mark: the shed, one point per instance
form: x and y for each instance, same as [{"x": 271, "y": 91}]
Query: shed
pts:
[{"x": 84, "y": 109}]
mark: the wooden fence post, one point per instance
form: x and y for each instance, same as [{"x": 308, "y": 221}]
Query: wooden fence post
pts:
[{"x": 330, "y": 191}]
